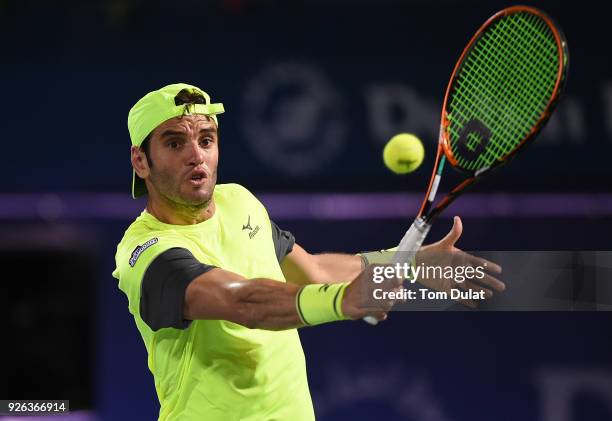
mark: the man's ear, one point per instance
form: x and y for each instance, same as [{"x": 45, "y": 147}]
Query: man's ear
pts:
[{"x": 139, "y": 162}]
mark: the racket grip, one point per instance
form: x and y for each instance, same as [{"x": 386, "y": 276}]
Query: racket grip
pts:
[
  {"x": 407, "y": 249},
  {"x": 411, "y": 242}
]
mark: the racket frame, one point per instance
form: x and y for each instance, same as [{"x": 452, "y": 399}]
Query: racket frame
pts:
[{"x": 427, "y": 211}]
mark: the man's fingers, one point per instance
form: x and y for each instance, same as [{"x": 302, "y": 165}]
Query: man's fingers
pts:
[
  {"x": 486, "y": 281},
  {"x": 399, "y": 290},
  {"x": 492, "y": 282},
  {"x": 479, "y": 261},
  {"x": 468, "y": 285}
]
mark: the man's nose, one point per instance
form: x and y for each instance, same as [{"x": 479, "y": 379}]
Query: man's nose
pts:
[{"x": 195, "y": 154}]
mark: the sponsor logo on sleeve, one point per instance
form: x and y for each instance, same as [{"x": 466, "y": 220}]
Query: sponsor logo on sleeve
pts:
[{"x": 139, "y": 249}]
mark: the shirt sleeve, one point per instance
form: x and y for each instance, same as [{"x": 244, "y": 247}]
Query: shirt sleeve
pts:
[
  {"x": 163, "y": 288},
  {"x": 283, "y": 241}
]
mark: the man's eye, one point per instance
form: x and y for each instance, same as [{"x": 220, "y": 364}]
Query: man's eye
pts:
[
  {"x": 206, "y": 141},
  {"x": 173, "y": 145}
]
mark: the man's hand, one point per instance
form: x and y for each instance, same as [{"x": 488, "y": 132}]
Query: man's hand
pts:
[
  {"x": 358, "y": 299},
  {"x": 445, "y": 254}
]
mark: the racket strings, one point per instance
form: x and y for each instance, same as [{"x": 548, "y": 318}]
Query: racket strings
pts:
[
  {"x": 514, "y": 88},
  {"x": 506, "y": 82}
]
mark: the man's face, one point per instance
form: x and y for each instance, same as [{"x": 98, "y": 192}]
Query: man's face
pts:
[{"x": 184, "y": 152}]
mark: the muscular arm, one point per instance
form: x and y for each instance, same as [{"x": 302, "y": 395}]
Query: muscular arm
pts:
[
  {"x": 302, "y": 268},
  {"x": 256, "y": 303},
  {"x": 267, "y": 304},
  {"x": 177, "y": 289}
]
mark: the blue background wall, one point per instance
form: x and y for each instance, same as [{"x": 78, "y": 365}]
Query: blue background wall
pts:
[{"x": 312, "y": 90}]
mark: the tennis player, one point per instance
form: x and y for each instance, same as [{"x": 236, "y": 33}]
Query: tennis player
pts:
[{"x": 216, "y": 288}]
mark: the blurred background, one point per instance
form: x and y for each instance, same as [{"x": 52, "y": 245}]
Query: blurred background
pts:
[{"x": 312, "y": 92}]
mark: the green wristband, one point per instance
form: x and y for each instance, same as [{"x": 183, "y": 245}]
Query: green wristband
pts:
[{"x": 318, "y": 304}]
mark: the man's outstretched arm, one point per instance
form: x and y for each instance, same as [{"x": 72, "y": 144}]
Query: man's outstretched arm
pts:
[
  {"x": 255, "y": 303},
  {"x": 177, "y": 288},
  {"x": 267, "y": 304}
]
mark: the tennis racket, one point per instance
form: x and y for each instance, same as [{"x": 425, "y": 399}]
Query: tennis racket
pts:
[{"x": 501, "y": 93}]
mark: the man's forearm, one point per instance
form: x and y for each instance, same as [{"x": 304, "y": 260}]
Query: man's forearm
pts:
[
  {"x": 254, "y": 303},
  {"x": 303, "y": 268},
  {"x": 337, "y": 267},
  {"x": 262, "y": 303}
]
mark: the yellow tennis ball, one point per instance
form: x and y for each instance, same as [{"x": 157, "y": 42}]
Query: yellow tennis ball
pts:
[{"x": 403, "y": 153}]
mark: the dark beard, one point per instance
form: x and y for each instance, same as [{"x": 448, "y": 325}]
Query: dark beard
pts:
[{"x": 176, "y": 201}]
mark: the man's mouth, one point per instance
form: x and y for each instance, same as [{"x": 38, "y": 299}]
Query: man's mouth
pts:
[{"x": 197, "y": 178}]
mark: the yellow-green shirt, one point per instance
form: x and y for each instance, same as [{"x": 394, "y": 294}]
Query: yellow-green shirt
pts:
[{"x": 215, "y": 369}]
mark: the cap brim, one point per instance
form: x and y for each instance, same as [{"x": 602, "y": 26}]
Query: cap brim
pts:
[{"x": 139, "y": 188}]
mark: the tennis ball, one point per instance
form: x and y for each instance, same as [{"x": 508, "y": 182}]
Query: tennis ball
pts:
[{"x": 403, "y": 153}]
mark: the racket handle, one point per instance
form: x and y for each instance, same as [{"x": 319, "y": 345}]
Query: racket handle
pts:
[
  {"x": 407, "y": 249},
  {"x": 411, "y": 242}
]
